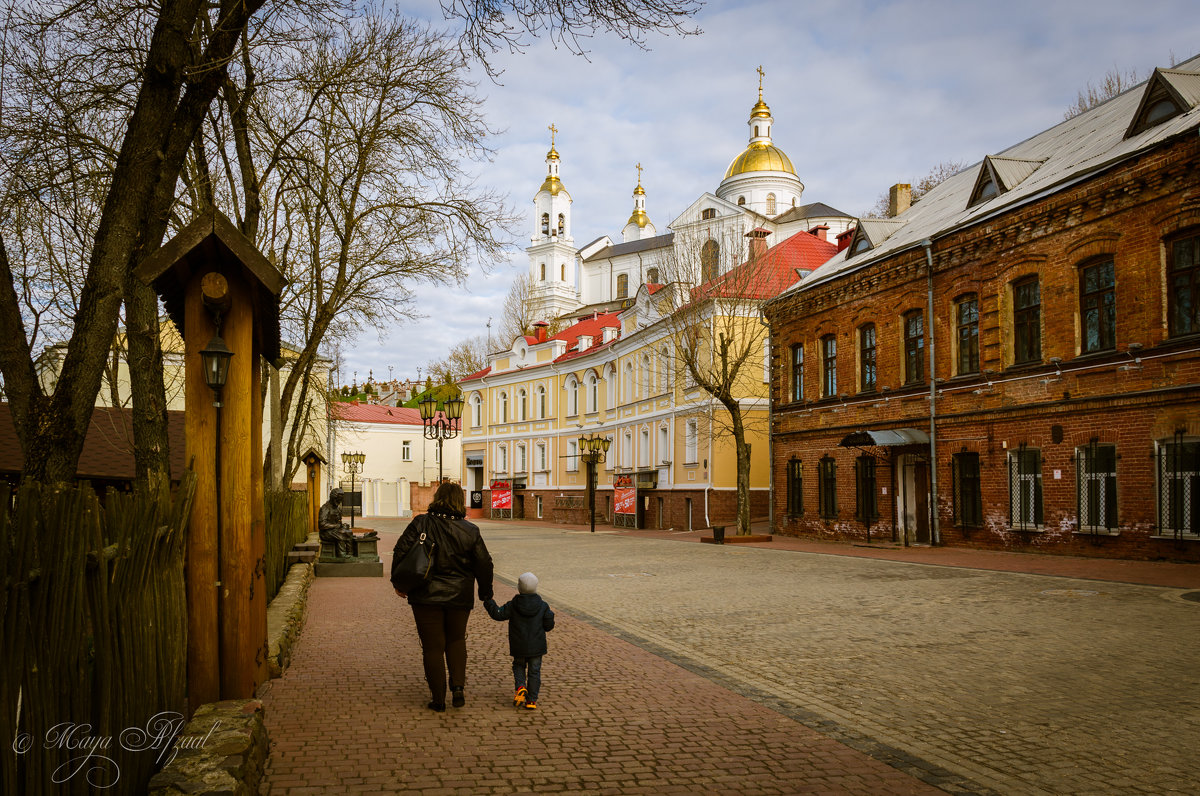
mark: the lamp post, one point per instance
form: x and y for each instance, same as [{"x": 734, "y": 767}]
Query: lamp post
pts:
[
  {"x": 215, "y": 358},
  {"x": 591, "y": 451},
  {"x": 352, "y": 463},
  {"x": 440, "y": 428}
]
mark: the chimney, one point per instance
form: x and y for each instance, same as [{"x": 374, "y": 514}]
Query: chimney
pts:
[
  {"x": 758, "y": 242},
  {"x": 539, "y": 330},
  {"x": 821, "y": 231},
  {"x": 899, "y": 199},
  {"x": 843, "y": 240}
]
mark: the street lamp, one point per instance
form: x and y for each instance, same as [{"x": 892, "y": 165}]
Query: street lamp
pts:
[
  {"x": 215, "y": 358},
  {"x": 352, "y": 463},
  {"x": 440, "y": 427},
  {"x": 591, "y": 452}
]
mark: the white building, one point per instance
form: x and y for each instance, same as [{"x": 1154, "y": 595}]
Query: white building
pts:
[{"x": 758, "y": 196}]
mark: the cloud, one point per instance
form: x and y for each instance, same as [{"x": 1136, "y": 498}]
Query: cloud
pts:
[{"x": 864, "y": 93}]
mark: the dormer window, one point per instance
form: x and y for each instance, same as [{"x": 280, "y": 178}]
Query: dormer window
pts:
[
  {"x": 1166, "y": 96},
  {"x": 861, "y": 245},
  {"x": 585, "y": 342},
  {"x": 987, "y": 189},
  {"x": 1000, "y": 174}
]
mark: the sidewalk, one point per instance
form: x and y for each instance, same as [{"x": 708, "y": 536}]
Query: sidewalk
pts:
[
  {"x": 1147, "y": 573},
  {"x": 349, "y": 716}
]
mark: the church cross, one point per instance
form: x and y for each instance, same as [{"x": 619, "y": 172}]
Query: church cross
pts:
[
  {"x": 554, "y": 130},
  {"x": 639, "y": 168},
  {"x": 761, "y": 73}
]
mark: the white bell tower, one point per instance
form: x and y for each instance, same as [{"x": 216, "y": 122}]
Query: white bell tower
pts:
[{"x": 552, "y": 249}]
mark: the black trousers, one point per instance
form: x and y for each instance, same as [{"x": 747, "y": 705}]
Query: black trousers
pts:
[{"x": 443, "y": 633}]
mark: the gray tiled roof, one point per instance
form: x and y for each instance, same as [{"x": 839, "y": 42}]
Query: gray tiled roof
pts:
[
  {"x": 1044, "y": 163},
  {"x": 656, "y": 242},
  {"x": 814, "y": 210}
]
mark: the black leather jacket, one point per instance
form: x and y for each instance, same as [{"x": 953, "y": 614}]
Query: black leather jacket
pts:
[{"x": 460, "y": 560}]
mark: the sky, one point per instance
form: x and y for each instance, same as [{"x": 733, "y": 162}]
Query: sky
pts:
[{"x": 864, "y": 93}]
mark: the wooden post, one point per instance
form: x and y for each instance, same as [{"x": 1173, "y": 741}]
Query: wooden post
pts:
[
  {"x": 258, "y": 525},
  {"x": 200, "y": 424},
  {"x": 312, "y": 462}
]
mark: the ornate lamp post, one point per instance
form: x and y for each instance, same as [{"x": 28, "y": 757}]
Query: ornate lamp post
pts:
[
  {"x": 591, "y": 452},
  {"x": 440, "y": 428},
  {"x": 352, "y": 463}
]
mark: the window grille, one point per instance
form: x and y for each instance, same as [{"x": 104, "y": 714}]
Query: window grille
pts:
[
  {"x": 1025, "y": 489},
  {"x": 795, "y": 483},
  {"x": 827, "y": 487},
  {"x": 1179, "y": 487},
  {"x": 866, "y": 504},
  {"x": 1096, "y": 488}
]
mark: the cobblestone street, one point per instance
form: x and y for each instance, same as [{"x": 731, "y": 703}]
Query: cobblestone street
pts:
[{"x": 737, "y": 669}]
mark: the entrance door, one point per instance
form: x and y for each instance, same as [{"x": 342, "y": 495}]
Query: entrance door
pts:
[{"x": 912, "y": 500}]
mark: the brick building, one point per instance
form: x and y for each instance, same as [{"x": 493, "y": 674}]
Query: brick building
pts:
[{"x": 1062, "y": 277}]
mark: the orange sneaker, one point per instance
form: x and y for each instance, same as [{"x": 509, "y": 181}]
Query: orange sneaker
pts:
[
  {"x": 519, "y": 699},
  {"x": 531, "y": 706}
]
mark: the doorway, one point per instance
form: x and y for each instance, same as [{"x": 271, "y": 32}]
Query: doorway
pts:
[{"x": 912, "y": 502}]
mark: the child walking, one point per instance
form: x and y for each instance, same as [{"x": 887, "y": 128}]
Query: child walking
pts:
[{"x": 529, "y": 617}]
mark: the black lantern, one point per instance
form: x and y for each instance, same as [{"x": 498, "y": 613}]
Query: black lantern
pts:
[
  {"x": 440, "y": 428},
  {"x": 215, "y": 357},
  {"x": 591, "y": 451}
]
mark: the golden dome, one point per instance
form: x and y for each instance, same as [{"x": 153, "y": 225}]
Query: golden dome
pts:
[
  {"x": 639, "y": 190},
  {"x": 640, "y": 218},
  {"x": 552, "y": 154},
  {"x": 760, "y": 109},
  {"x": 552, "y": 184},
  {"x": 760, "y": 156}
]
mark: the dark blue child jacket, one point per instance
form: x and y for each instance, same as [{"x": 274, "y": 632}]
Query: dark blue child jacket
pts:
[{"x": 529, "y": 617}]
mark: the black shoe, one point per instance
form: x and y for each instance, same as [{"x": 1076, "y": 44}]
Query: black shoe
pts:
[
  {"x": 439, "y": 707},
  {"x": 458, "y": 699}
]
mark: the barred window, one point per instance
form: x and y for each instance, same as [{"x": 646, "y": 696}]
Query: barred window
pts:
[
  {"x": 1096, "y": 490},
  {"x": 965, "y": 487},
  {"x": 829, "y": 373},
  {"x": 1025, "y": 489},
  {"x": 827, "y": 487},
  {"x": 866, "y": 503},
  {"x": 795, "y": 483},
  {"x": 1179, "y": 487}
]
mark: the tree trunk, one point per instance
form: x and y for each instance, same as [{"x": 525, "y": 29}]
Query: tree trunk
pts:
[
  {"x": 150, "y": 441},
  {"x": 742, "y": 449}
]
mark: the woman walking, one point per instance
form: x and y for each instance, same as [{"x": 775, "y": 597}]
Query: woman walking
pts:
[{"x": 442, "y": 604}]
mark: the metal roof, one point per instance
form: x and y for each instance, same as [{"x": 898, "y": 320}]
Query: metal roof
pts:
[
  {"x": 656, "y": 242},
  {"x": 884, "y": 438},
  {"x": 1068, "y": 152}
]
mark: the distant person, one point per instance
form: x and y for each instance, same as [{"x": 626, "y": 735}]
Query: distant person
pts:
[
  {"x": 529, "y": 618},
  {"x": 443, "y": 603}
]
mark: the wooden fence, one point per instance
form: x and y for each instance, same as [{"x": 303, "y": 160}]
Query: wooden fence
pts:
[
  {"x": 287, "y": 526},
  {"x": 94, "y": 637}
]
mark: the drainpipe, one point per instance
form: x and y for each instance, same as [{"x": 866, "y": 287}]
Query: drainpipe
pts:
[{"x": 927, "y": 244}]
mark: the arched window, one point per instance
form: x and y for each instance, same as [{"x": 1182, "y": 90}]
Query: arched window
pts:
[
  {"x": 521, "y": 404},
  {"x": 541, "y": 403},
  {"x": 756, "y": 131},
  {"x": 562, "y": 224},
  {"x": 770, "y": 204},
  {"x": 664, "y": 369},
  {"x": 627, "y": 383},
  {"x": 476, "y": 410},
  {"x": 541, "y": 457},
  {"x": 647, "y": 376},
  {"x": 545, "y": 223},
  {"x": 593, "y": 393},
  {"x": 652, "y": 276},
  {"x": 562, "y": 272},
  {"x": 501, "y": 459},
  {"x": 572, "y": 397},
  {"x": 622, "y": 285},
  {"x": 503, "y": 407},
  {"x": 543, "y": 272},
  {"x": 610, "y": 379},
  {"x": 741, "y": 200},
  {"x": 710, "y": 254}
]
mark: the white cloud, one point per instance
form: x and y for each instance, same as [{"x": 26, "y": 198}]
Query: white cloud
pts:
[{"x": 864, "y": 94}]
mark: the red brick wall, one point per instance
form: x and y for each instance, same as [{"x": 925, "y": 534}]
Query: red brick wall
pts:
[
  {"x": 569, "y": 507},
  {"x": 1125, "y": 213}
]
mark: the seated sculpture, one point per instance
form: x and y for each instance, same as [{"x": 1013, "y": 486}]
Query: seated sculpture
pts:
[{"x": 333, "y": 531}]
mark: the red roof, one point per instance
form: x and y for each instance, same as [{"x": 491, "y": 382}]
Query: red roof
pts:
[
  {"x": 591, "y": 327},
  {"x": 107, "y": 448},
  {"x": 479, "y": 374},
  {"x": 376, "y": 413},
  {"x": 771, "y": 273}
]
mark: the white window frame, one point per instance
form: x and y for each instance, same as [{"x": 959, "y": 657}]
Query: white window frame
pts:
[
  {"x": 572, "y": 456},
  {"x": 691, "y": 442},
  {"x": 406, "y": 451}
]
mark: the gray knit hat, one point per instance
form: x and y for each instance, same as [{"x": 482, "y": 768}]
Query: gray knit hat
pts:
[{"x": 527, "y": 583}]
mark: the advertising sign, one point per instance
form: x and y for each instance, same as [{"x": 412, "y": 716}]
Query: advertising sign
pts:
[
  {"x": 624, "y": 495},
  {"x": 501, "y": 495}
]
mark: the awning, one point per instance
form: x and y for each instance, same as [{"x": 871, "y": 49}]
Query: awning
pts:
[
  {"x": 885, "y": 438},
  {"x": 475, "y": 460}
]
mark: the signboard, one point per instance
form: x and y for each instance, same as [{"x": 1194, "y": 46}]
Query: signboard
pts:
[
  {"x": 501, "y": 495},
  {"x": 624, "y": 495}
]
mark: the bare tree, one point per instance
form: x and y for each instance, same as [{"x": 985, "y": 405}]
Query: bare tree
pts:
[
  {"x": 1114, "y": 82},
  {"x": 465, "y": 357},
  {"x": 937, "y": 175},
  {"x": 711, "y": 314}
]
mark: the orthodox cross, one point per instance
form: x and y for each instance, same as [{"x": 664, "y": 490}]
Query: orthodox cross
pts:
[
  {"x": 639, "y": 168},
  {"x": 554, "y": 130},
  {"x": 760, "y": 77}
]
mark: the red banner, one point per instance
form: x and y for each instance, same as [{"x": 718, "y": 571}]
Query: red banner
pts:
[
  {"x": 501, "y": 495},
  {"x": 624, "y": 495}
]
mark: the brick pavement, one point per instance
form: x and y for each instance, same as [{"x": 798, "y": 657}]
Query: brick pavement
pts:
[{"x": 349, "y": 716}]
